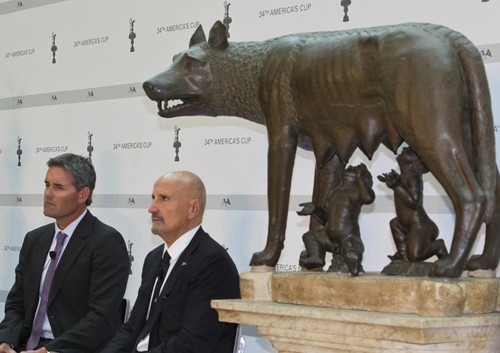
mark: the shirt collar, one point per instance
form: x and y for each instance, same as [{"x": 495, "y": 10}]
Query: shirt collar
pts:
[
  {"x": 72, "y": 226},
  {"x": 176, "y": 249}
]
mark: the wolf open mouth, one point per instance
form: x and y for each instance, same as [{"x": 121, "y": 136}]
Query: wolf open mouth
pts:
[{"x": 176, "y": 105}]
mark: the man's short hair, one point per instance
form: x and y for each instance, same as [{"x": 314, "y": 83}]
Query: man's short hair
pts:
[{"x": 80, "y": 168}]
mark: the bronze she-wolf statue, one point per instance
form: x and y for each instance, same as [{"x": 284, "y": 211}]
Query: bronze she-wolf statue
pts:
[{"x": 333, "y": 92}]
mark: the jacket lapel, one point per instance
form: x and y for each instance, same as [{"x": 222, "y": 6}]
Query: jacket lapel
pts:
[
  {"x": 77, "y": 243},
  {"x": 40, "y": 251},
  {"x": 148, "y": 291},
  {"x": 181, "y": 265},
  {"x": 38, "y": 258}
]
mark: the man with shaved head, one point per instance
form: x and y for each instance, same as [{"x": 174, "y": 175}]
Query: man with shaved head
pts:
[{"x": 172, "y": 311}]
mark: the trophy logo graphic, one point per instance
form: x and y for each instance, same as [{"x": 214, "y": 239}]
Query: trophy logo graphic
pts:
[
  {"x": 19, "y": 151},
  {"x": 53, "y": 48},
  {"x": 53, "y": 98},
  {"x": 130, "y": 256},
  {"x": 345, "y": 4},
  {"x": 226, "y": 202},
  {"x": 90, "y": 94},
  {"x": 177, "y": 143},
  {"x": 19, "y": 4},
  {"x": 90, "y": 148},
  {"x": 227, "y": 19},
  {"x": 132, "y": 35},
  {"x": 19, "y": 102}
]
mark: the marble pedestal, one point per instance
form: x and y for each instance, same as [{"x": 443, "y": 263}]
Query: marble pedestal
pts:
[{"x": 325, "y": 312}]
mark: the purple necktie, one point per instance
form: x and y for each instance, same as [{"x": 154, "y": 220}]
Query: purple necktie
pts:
[{"x": 36, "y": 330}]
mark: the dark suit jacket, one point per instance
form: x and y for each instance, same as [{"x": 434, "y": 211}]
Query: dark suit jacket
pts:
[
  {"x": 183, "y": 321},
  {"x": 87, "y": 289}
]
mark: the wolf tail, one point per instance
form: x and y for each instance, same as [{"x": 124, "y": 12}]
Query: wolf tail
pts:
[{"x": 481, "y": 115}]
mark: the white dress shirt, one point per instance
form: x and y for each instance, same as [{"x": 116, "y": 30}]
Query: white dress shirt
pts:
[
  {"x": 175, "y": 251},
  {"x": 46, "y": 329}
]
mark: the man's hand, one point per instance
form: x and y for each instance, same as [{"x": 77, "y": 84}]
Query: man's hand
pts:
[{"x": 6, "y": 348}]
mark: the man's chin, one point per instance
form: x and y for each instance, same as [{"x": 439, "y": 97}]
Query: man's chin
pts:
[{"x": 48, "y": 213}]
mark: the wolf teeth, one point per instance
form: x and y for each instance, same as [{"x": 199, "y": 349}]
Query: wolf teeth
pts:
[
  {"x": 174, "y": 102},
  {"x": 166, "y": 105}
]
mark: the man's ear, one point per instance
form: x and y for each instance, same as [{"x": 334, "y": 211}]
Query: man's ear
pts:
[
  {"x": 84, "y": 194},
  {"x": 195, "y": 208}
]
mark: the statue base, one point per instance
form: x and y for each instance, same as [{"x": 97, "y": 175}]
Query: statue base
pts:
[{"x": 325, "y": 312}]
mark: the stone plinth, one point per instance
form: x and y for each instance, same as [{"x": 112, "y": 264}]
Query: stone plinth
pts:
[
  {"x": 325, "y": 312},
  {"x": 301, "y": 328},
  {"x": 392, "y": 294}
]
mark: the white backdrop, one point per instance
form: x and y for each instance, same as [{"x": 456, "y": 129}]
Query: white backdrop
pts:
[{"x": 92, "y": 94}]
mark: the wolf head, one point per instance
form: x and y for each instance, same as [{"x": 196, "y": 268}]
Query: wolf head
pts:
[{"x": 186, "y": 86}]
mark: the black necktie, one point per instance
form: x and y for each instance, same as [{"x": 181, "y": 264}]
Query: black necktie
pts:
[{"x": 162, "y": 272}]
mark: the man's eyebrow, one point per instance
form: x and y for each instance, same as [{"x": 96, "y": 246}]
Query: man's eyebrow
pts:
[{"x": 56, "y": 184}]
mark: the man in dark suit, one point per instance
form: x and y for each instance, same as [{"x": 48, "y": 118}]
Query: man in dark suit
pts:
[
  {"x": 180, "y": 320},
  {"x": 83, "y": 308}
]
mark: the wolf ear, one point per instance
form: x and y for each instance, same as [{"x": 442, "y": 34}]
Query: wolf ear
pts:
[
  {"x": 218, "y": 36},
  {"x": 198, "y": 37}
]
